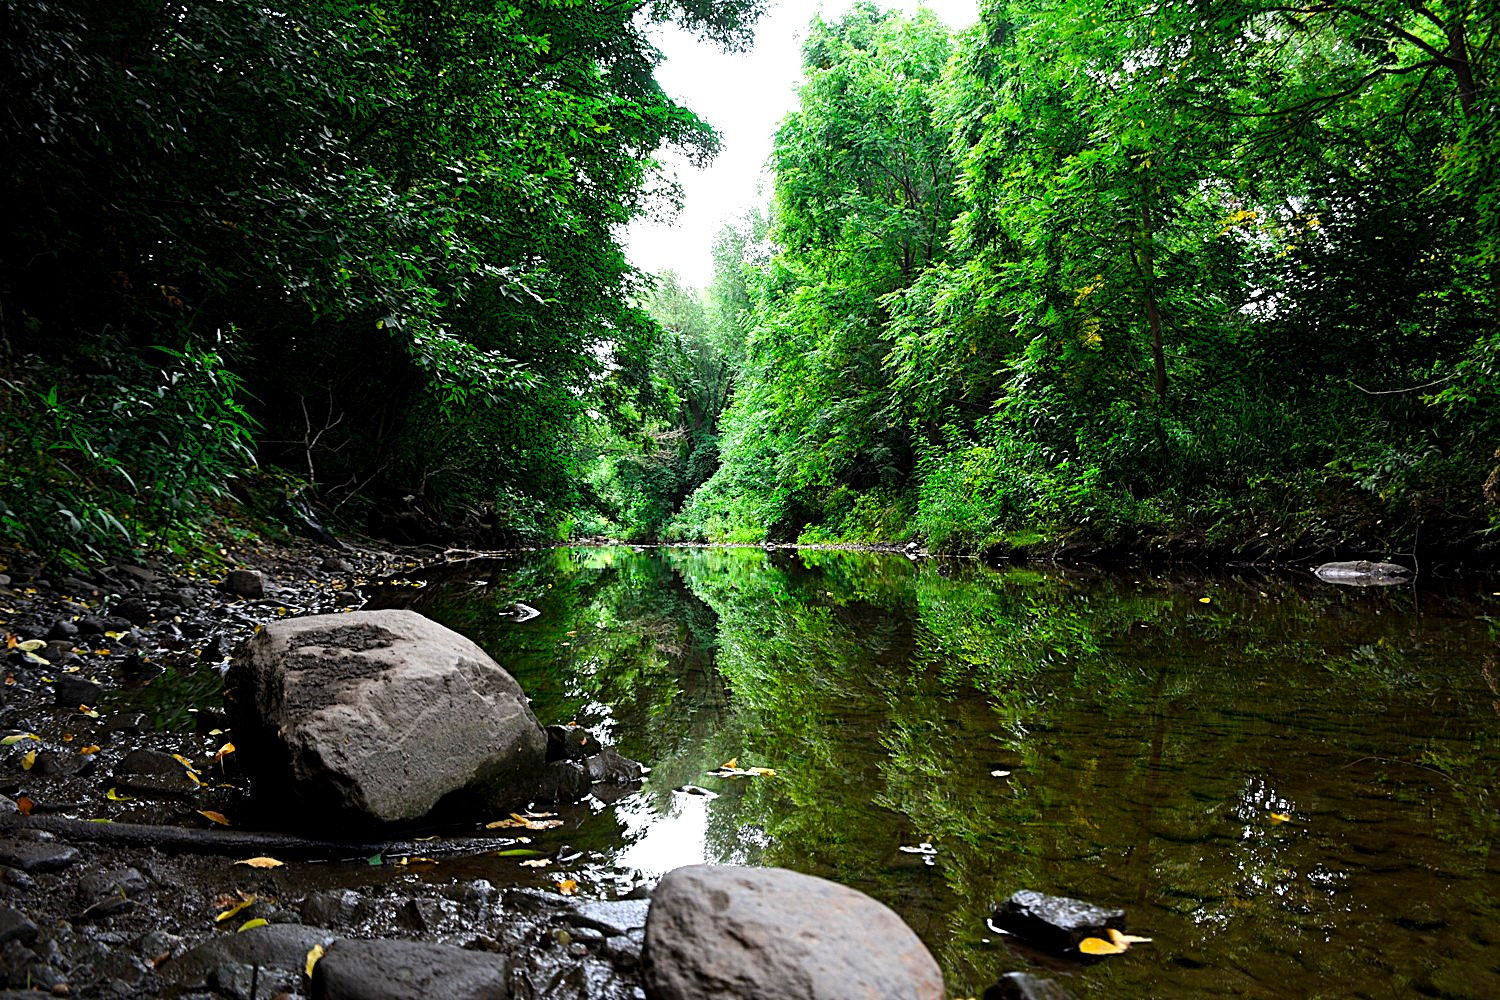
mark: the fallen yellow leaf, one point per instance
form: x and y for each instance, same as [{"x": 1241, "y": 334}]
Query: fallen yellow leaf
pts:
[
  {"x": 567, "y": 886},
  {"x": 92, "y": 748},
  {"x": 31, "y": 645},
  {"x": 1099, "y": 946},
  {"x": 1281, "y": 818},
  {"x": 214, "y": 817},
  {"x": 224, "y": 750},
  {"x": 536, "y": 863},
  {"x": 730, "y": 764},
  {"x": 1205, "y": 600},
  {"x": 261, "y": 862},
  {"x": 28, "y": 761},
  {"x": 252, "y": 924},
  {"x": 13, "y": 740},
  {"x": 247, "y": 902},
  {"x": 1126, "y": 940},
  {"x": 315, "y": 953},
  {"x": 114, "y": 796}
]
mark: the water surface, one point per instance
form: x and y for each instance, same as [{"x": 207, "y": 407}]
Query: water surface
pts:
[{"x": 1290, "y": 786}]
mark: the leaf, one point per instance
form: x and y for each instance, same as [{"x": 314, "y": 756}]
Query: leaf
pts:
[
  {"x": 39, "y": 660},
  {"x": 244, "y": 904},
  {"x": 214, "y": 817},
  {"x": 252, "y": 924},
  {"x": 1280, "y": 818},
  {"x": 86, "y": 710},
  {"x": 91, "y": 748},
  {"x": 184, "y": 762},
  {"x": 31, "y": 645},
  {"x": 224, "y": 751},
  {"x": 1099, "y": 946},
  {"x": 114, "y": 796},
  {"x": 531, "y": 821},
  {"x": 1205, "y": 600},
  {"x": 28, "y": 761},
  {"x": 567, "y": 886},
  {"x": 536, "y": 863},
  {"x": 24, "y": 805},
  {"x": 730, "y": 764},
  {"x": 11, "y": 741},
  {"x": 518, "y": 852},
  {"x": 374, "y": 861},
  {"x": 314, "y": 953},
  {"x": 264, "y": 862},
  {"x": 1126, "y": 940}
]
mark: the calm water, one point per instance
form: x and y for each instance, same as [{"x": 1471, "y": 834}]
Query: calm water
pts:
[{"x": 1290, "y": 786}]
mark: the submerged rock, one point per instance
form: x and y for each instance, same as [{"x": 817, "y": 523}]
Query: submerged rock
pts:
[
  {"x": 377, "y": 716},
  {"x": 1055, "y": 923},
  {"x": 771, "y": 934},
  {"x": 1362, "y": 573},
  {"x": 1025, "y": 986}
]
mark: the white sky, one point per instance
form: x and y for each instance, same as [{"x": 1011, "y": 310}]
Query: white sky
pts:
[{"x": 744, "y": 96}]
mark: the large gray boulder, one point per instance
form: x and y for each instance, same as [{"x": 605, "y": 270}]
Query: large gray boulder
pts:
[
  {"x": 376, "y": 716},
  {"x": 770, "y": 934},
  {"x": 408, "y": 970}
]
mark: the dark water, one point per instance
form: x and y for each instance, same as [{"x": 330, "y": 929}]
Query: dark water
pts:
[{"x": 1291, "y": 787}]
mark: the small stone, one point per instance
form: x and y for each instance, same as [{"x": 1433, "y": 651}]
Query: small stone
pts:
[
  {"x": 70, "y": 692},
  {"x": 617, "y": 916},
  {"x": 16, "y": 926},
  {"x": 570, "y": 743},
  {"x": 1055, "y": 923},
  {"x": 611, "y": 768},
  {"x": 36, "y": 856},
  {"x": 62, "y": 629},
  {"x": 333, "y": 564},
  {"x": 330, "y": 908},
  {"x": 134, "y": 610},
  {"x": 55, "y": 764},
  {"x": 563, "y": 781},
  {"x": 246, "y": 583}
]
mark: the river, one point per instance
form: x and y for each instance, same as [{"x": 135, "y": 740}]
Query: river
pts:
[{"x": 1289, "y": 786}]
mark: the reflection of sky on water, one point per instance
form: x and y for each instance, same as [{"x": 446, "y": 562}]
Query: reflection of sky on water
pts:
[{"x": 655, "y": 843}]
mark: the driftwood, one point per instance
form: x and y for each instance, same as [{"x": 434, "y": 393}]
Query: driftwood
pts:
[{"x": 216, "y": 841}]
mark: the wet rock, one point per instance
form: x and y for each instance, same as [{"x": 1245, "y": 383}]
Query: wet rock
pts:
[
  {"x": 1055, "y": 923},
  {"x": 70, "y": 692},
  {"x": 62, "y": 629},
  {"x": 59, "y": 651},
  {"x": 8, "y": 806},
  {"x": 104, "y": 894},
  {"x": 275, "y": 948},
  {"x": 52, "y": 764},
  {"x": 333, "y": 564},
  {"x": 95, "y": 625},
  {"x": 425, "y": 916},
  {"x": 16, "y": 926},
  {"x": 562, "y": 781},
  {"x": 332, "y": 908},
  {"x": 1025, "y": 986},
  {"x": 153, "y": 774},
  {"x": 378, "y": 715},
  {"x": 139, "y": 574},
  {"x": 570, "y": 743},
  {"x": 1362, "y": 573},
  {"x": 134, "y": 610},
  {"x": 609, "y": 767},
  {"x": 407, "y": 970},
  {"x": 246, "y": 583},
  {"x": 36, "y": 856},
  {"x": 610, "y": 917},
  {"x": 769, "y": 934}
]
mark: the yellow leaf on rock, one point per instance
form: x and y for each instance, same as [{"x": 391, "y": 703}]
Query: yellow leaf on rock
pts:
[
  {"x": 214, "y": 817},
  {"x": 1099, "y": 946},
  {"x": 567, "y": 886},
  {"x": 13, "y": 740},
  {"x": 252, "y": 924},
  {"x": 114, "y": 796},
  {"x": 1281, "y": 818},
  {"x": 93, "y": 748},
  {"x": 28, "y": 761},
  {"x": 315, "y": 953},
  {"x": 31, "y": 645},
  {"x": 261, "y": 862}
]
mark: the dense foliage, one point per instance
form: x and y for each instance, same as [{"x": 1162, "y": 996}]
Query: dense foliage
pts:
[
  {"x": 1218, "y": 273},
  {"x": 372, "y": 245}
]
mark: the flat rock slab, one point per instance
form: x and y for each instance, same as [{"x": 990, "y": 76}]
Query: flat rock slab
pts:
[
  {"x": 277, "y": 947},
  {"x": 1055, "y": 923},
  {"x": 771, "y": 934},
  {"x": 36, "y": 855},
  {"x": 408, "y": 970},
  {"x": 376, "y": 716}
]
